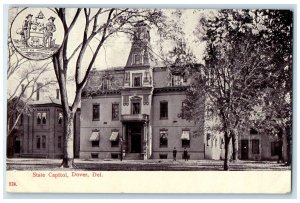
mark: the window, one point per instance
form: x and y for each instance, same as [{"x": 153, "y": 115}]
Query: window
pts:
[
  {"x": 115, "y": 112},
  {"x": 60, "y": 118},
  {"x": 146, "y": 99},
  {"x": 177, "y": 80},
  {"x": 255, "y": 146},
  {"x": 114, "y": 156},
  {"x": 273, "y": 149},
  {"x": 253, "y": 131},
  {"x": 114, "y": 138},
  {"x": 44, "y": 118},
  {"x": 185, "y": 79},
  {"x": 38, "y": 142},
  {"x": 127, "y": 77},
  {"x": 105, "y": 84},
  {"x": 185, "y": 143},
  {"x": 115, "y": 143},
  {"x": 125, "y": 100},
  {"x": 164, "y": 110},
  {"x": 147, "y": 76},
  {"x": 163, "y": 140},
  {"x": 95, "y": 143},
  {"x": 163, "y": 156},
  {"x": 137, "y": 59},
  {"x": 39, "y": 118},
  {"x": 59, "y": 142},
  {"x": 208, "y": 136},
  {"x": 96, "y": 112},
  {"x": 44, "y": 142},
  {"x": 137, "y": 79},
  {"x": 136, "y": 107},
  {"x": 94, "y": 155},
  {"x": 185, "y": 138}
]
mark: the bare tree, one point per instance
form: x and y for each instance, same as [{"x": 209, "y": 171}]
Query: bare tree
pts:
[
  {"x": 27, "y": 73},
  {"x": 98, "y": 26},
  {"x": 19, "y": 97}
]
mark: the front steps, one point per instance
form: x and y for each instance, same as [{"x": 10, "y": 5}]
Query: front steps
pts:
[{"x": 133, "y": 156}]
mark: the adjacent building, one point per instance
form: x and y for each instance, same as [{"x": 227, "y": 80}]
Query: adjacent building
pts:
[
  {"x": 40, "y": 134},
  {"x": 252, "y": 145}
]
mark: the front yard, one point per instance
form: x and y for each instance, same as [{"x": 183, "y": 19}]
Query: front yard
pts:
[{"x": 142, "y": 165}]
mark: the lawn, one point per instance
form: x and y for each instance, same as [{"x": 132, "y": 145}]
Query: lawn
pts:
[{"x": 143, "y": 165}]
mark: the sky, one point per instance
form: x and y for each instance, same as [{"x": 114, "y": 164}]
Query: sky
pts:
[{"x": 116, "y": 49}]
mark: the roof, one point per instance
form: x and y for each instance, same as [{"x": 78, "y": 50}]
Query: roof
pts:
[{"x": 45, "y": 100}]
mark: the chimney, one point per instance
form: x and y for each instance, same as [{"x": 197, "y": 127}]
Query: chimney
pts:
[
  {"x": 39, "y": 85},
  {"x": 57, "y": 93}
]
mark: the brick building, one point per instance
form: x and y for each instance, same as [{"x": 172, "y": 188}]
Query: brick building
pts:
[
  {"x": 136, "y": 109},
  {"x": 40, "y": 134}
]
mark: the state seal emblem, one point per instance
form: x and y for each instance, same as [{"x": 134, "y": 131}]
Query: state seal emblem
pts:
[{"x": 37, "y": 33}]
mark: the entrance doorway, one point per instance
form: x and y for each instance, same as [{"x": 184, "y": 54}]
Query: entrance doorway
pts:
[
  {"x": 134, "y": 135},
  {"x": 245, "y": 149}
]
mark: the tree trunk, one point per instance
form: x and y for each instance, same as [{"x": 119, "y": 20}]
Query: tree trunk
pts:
[
  {"x": 226, "y": 159},
  {"x": 235, "y": 145},
  {"x": 288, "y": 145},
  {"x": 68, "y": 158}
]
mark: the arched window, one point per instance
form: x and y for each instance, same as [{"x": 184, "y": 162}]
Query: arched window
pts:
[
  {"x": 38, "y": 118},
  {"x": 44, "y": 118},
  {"x": 60, "y": 118}
]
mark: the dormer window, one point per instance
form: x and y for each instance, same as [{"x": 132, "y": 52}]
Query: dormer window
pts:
[
  {"x": 177, "y": 80},
  {"x": 137, "y": 79},
  {"x": 137, "y": 59},
  {"x": 105, "y": 84}
]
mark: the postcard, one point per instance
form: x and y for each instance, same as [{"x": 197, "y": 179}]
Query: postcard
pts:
[{"x": 149, "y": 100}]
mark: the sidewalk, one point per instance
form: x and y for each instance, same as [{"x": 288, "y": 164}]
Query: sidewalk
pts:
[{"x": 142, "y": 165}]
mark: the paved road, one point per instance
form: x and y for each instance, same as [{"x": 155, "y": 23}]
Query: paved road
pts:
[{"x": 141, "y": 165}]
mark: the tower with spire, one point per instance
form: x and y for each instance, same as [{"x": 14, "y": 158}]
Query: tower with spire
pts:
[
  {"x": 139, "y": 59},
  {"x": 139, "y": 53}
]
